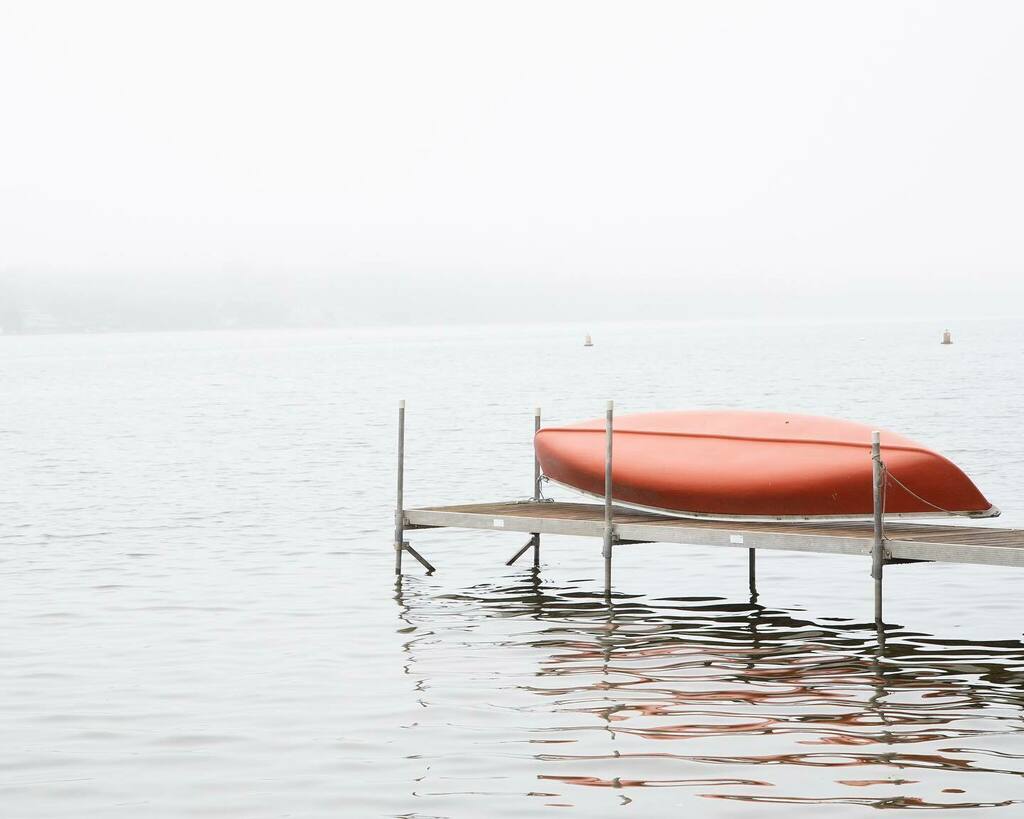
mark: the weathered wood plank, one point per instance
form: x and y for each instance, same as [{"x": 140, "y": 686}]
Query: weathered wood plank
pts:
[{"x": 905, "y": 541}]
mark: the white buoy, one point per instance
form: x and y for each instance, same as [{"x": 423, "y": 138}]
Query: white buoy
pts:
[
  {"x": 947, "y": 337},
  {"x": 587, "y": 342}
]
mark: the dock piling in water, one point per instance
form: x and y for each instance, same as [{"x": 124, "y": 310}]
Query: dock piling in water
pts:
[
  {"x": 534, "y": 540},
  {"x": 878, "y": 502},
  {"x": 400, "y": 508},
  {"x": 400, "y": 543},
  {"x": 536, "y": 460},
  {"x": 536, "y": 484},
  {"x": 608, "y": 530}
]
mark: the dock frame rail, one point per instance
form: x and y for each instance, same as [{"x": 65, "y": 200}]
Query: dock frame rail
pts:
[{"x": 886, "y": 543}]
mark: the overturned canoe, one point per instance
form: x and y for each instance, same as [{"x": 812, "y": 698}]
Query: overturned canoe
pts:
[{"x": 755, "y": 465}]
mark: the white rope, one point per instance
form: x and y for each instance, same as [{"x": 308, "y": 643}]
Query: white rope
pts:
[{"x": 911, "y": 492}]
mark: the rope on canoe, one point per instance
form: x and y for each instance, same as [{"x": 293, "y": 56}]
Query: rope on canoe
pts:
[{"x": 909, "y": 491}]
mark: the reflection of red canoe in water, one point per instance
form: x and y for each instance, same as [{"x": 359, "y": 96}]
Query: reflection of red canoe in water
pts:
[{"x": 761, "y": 465}]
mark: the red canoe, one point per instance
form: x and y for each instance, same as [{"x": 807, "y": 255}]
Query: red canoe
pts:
[{"x": 755, "y": 465}]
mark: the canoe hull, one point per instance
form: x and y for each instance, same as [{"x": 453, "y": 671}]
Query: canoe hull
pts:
[{"x": 732, "y": 465}]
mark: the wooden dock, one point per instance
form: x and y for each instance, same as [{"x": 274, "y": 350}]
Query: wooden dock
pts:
[
  {"x": 884, "y": 541},
  {"x": 917, "y": 542}
]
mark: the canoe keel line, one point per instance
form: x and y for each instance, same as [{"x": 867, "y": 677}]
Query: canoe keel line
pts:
[{"x": 736, "y": 479}]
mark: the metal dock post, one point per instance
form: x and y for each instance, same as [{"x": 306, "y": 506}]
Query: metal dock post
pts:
[
  {"x": 536, "y": 484},
  {"x": 534, "y": 540},
  {"x": 536, "y": 460},
  {"x": 608, "y": 530},
  {"x": 878, "y": 501},
  {"x": 400, "y": 544},
  {"x": 399, "y": 509}
]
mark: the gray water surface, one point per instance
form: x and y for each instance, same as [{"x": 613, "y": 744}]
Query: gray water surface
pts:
[{"x": 199, "y": 615}]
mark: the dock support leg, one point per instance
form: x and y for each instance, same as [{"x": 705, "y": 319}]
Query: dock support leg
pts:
[
  {"x": 752, "y": 571},
  {"x": 399, "y": 510},
  {"x": 608, "y": 530},
  {"x": 534, "y": 541},
  {"x": 535, "y": 537},
  {"x": 423, "y": 561},
  {"x": 536, "y": 485},
  {"x": 878, "y": 502}
]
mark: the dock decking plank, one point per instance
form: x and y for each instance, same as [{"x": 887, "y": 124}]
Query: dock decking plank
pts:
[{"x": 911, "y": 541}]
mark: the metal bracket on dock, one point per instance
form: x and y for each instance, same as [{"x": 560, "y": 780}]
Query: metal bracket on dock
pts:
[
  {"x": 534, "y": 541},
  {"x": 425, "y": 563},
  {"x": 611, "y": 539},
  {"x": 897, "y": 561}
]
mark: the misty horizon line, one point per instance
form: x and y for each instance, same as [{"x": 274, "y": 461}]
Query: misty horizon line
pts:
[
  {"x": 583, "y": 328},
  {"x": 120, "y": 303}
]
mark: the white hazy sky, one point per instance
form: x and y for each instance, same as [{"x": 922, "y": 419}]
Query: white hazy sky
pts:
[{"x": 806, "y": 143}]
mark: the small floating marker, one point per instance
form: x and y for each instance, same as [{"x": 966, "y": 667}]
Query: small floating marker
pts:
[
  {"x": 587, "y": 342},
  {"x": 947, "y": 337}
]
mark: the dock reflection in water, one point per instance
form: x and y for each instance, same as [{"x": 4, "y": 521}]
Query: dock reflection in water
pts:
[{"x": 734, "y": 701}]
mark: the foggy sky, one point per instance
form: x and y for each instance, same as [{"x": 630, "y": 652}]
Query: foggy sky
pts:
[{"x": 670, "y": 158}]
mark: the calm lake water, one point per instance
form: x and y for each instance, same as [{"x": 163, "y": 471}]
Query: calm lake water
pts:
[{"x": 199, "y": 615}]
